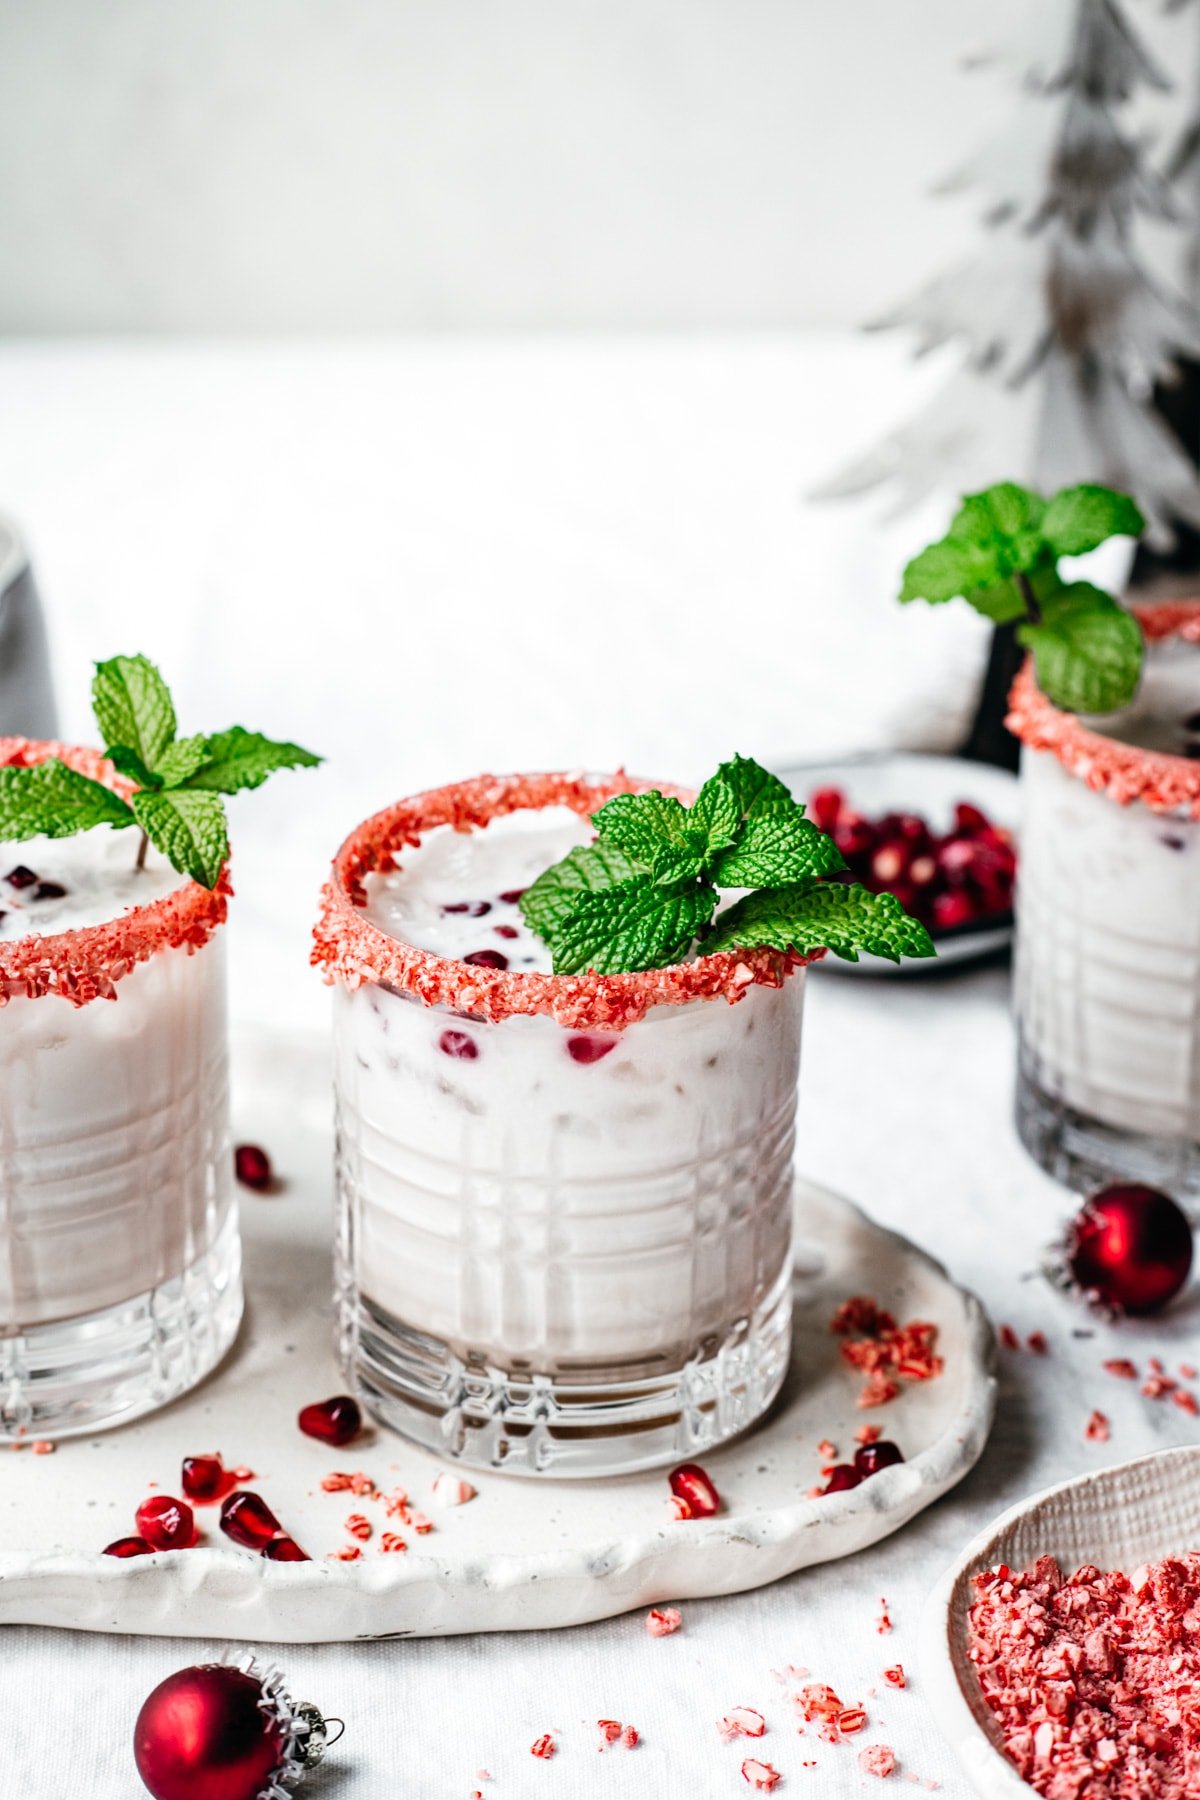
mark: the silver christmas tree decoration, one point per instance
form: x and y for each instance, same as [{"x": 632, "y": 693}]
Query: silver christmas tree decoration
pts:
[{"x": 1065, "y": 331}]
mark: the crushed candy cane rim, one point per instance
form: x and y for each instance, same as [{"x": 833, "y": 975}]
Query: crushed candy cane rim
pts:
[
  {"x": 85, "y": 965},
  {"x": 353, "y": 950},
  {"x": 1122, "y": 772}
]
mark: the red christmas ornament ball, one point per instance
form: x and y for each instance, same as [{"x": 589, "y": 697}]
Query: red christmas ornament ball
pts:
[
  {"x": 1130, "y": 1248},
  {"x": 203, "y": 1735}
]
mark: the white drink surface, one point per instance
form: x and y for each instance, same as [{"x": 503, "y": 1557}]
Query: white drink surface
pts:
[
  {"x": 549, "y": 1197},
  {"x": 114, "y": 1138},
  {"x": 1108, "y": 947}
]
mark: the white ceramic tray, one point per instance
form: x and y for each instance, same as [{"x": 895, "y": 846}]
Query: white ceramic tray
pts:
[
  {"x": 1118, "y": 1518},
  {"x": 522, "y": 1553}
]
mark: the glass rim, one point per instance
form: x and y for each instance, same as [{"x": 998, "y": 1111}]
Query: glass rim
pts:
[
  {"x": 86, "y": 963},
  {"x": 1123, "y": 773},
  {"x": 352, "y": 951}
]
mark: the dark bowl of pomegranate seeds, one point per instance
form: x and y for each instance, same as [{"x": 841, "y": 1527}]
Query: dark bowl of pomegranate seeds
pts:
[{"x": 935, "y": 831}]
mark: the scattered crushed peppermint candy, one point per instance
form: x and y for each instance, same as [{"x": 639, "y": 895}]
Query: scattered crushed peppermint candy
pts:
[
  {"x": 1093, "y": 1678},
  {"x": 877, "y": 1759},
  {"x": 885, "y": 1352},
  {"x": 741, "y": 1721},
  {"x": 544, "y": 1746},
  {"x": 662, "y": 1621},
  {"x": 763, "y": 1776},
  {"x": 1097, "y": 1429}
]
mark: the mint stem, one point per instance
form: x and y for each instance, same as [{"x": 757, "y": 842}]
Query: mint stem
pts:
[
  {"x": 1025, "y": 588},
  {"x": 141, "y": 855}
]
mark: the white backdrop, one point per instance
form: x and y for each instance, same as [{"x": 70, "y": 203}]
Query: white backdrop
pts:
[{"x": 336, "y": 164}]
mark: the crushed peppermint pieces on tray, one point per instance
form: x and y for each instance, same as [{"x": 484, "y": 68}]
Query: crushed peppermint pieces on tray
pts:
[
  {"x": 1097, "y": 1430},
  {"x": 885, "y": 1352}
]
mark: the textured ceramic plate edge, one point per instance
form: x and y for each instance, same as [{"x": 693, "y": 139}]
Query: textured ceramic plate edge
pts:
[{"x": 221, "y": 1592}]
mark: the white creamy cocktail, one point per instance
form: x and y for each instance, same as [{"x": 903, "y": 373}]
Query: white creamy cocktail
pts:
[
  {"x": 565, "y": 1201},
  {"x": 119, "y": 1257},
  {"x": 1108, "y": 948}
]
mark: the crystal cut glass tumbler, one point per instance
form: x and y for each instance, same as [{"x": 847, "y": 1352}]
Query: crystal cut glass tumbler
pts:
[
  {"x": 120, "y": 1262},
  {"x": 1108, "y": 926},
  {"x": 564, "y": 1203}
]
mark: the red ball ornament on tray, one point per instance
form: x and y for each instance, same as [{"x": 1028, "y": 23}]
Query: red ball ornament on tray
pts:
[
  {"x": 223, "y": 1732},
  {"x": 1130, "y": 1249}
]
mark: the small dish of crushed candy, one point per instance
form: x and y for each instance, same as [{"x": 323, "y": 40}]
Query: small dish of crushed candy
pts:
[{"x": 1061, "y": 1654}]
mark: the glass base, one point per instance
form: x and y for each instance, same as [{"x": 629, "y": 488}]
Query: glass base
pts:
[
  {"x": 87, "y": 1374},
  {"x": 1085, "y": 1153},
  {"x": 575, "y": 1422}
]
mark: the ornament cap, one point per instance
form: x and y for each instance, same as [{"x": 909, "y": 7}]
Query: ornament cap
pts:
[{"x": 312, "y": 1734}]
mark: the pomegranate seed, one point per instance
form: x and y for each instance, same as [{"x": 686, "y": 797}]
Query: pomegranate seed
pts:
[
  {"x": 589, "y": 1048},
  {"x": 953, "y": 910},
  {"x": 49, "y": 890},
  {"x": 285, "y": 1549},
  {"x": 249, "y": 1521},
  {"x": 252, "y": 1167},
  {"x": 880, "y": 1455},
  {"x": 760, "y": 1774},
  {"x": 337, "y": 1421},
  {"x": 854, "y": 837},
  {"x": 1039, "y": 1343},
  {"x": 922, "y": 870},
  {"x": 166, "y": 1523},
  {"x": 129, "y": 1546},
  {"x": 842, "y": 1477},
  {"x": 507, "y": 931},
  {"x": 825, "y": 807},
  {"x": 20, "y": 877},
  {"x": 969, "y": 819},
  {"x": 459, "y": 1044},
  {"x": 692, "y": 1484},
  {"x": 661, "y": 1621},
  {"x": 510, "y": 896},
  {"x": 204, "y": 1478},
  {"x": 487, "y": 959},
  {"x": 471, "y": 909}
]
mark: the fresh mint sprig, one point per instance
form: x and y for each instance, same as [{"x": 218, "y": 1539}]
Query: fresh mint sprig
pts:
[
  {"x": 1001, "y": 555},
  {"x": 640, "y": 896},
  {"x": 179, "y": 781}
]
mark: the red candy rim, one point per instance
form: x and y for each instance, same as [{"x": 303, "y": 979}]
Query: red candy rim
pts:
[
  {"x": 1121, "y": 772},
  {"x": 86, "y": 965},
  {"x": 352, "y": 950}
]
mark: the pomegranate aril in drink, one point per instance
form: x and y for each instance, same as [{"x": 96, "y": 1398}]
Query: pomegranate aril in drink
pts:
[
  {"x": 49, "y": 890},
  {"x": 129, "y": 1546},
  {"x": 204, "y": 1478},
  {"x": 337, "y": 1421},
  {"x": 166, "y": 1523},
  {"x": 694, "y": 1486},
  {"x": 487, "y": 959},
  {"x": 510, "y": 896},
  {"x": 507, "y": 931},
  {"x": 252, "y": 1166},
  {"x": 249, "y": 1521},
  {"x": 589, "y": 1047},
  {"x": 20, "y": 877},
  {"x": 870, "y": 1458},
  {"x": 285, "y": 1549},
  {"x": 471, "y": 909},
  {"x": 459, "y": 1044}
]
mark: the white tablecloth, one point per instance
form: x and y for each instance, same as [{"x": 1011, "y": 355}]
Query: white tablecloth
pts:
[{"x": 165, "y": 491}]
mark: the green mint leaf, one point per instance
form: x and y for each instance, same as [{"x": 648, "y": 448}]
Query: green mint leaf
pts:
[
  {"x": 133, "y": 706},
  {"x": 755, "y": 789},
  {"x": 717, "y": 813},
  {"x": 950, "y": 569},
  {"x": 240, "y": 759},
  {"x": 774, "y": 849},
  {"x": 51, "y": 800},
  {"x": 1081, "y": 518},
  {"x": 637, "y": 925},
  {"x": 1001, "y": 603},
  {"x": 180, "y": 760},
  {"x": 654, "y": 830},
  {"x": 188, "y": 828},
  {"x": 1087, "y": 650},
  {"x": 810, "y": 916},
  {"x": 127, "y": 762},
  {"x": 1006, "y": 521},
  {"x": 589, "y": 868}
]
